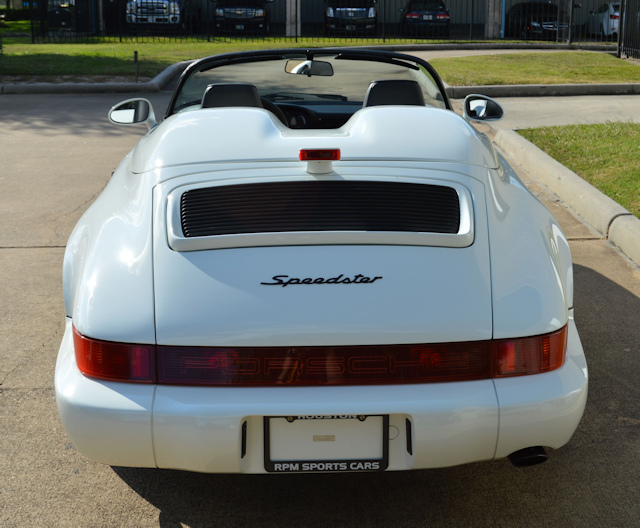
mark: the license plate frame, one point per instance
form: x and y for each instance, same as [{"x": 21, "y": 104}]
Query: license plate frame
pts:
[
  {"x": 351, "y": 27},
  {"x": 239, "y": 27},
  {"x": 308, "y": 464}
]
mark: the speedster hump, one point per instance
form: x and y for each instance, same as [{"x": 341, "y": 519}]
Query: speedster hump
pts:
[{"x": 254, "y": 135}]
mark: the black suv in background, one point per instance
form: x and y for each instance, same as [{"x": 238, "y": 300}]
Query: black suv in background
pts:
[
  {"x": 241, "y": 16},
  {"x": 347, "y": 17},
  {"x": 428, "y": 18},
  {"x": 536, "y": 21}
]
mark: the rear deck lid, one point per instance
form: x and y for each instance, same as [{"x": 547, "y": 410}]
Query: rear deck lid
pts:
[{"x": 321, "y": 273}]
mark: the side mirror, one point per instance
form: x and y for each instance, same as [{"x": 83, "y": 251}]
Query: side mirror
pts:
[
  {"x": 482, "y": 108},
  {"x": 133, "y": 112}
]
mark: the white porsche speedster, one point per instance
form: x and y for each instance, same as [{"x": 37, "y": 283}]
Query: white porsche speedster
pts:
[{"x": 314, "y": 264}]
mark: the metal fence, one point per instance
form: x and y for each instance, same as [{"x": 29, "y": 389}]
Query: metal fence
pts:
[
  {"x": 630, "y": 34},
  {"x": 367, "y": 20}
]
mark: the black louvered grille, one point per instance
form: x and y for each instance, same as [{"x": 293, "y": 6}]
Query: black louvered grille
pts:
[{"x": 319, "y": 206}]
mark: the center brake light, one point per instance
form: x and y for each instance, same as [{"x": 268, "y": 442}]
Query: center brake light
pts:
[
  {"x": 320, "y": 155},
  {"x": 312, "y": 366},
  {"x": 319, "y": 161}
]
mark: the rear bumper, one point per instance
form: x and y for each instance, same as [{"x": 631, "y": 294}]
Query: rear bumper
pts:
[
  {"x": 153, "y": 19},
  {"x": 351, "y": 25},
  {"x": 210, "y": 429},
  {"x": 241, "y": 25},
  {"x": 421, "y": 26}
]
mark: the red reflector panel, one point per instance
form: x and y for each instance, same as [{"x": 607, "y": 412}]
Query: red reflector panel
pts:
[
  {"x": 350, "y": 365},
  {"x": 530, "y": 355},
  {"x": 114, "y": 361},
  {"x": 320, "y": 155}
]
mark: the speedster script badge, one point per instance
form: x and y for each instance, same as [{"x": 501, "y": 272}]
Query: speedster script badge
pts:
[{"x": 285, "y": 280}]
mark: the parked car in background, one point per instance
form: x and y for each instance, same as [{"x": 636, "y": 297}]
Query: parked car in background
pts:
[
  {"x": 604, "y": 21},
  {"x": 59, "y": 18},
  {"x": 425, "y": 19},
  {"x": 153, "y": 12},
  {"x": 351, "y": 17},
  {"x": 242, "y": 16},
  {"x": 535, "y": 20}
]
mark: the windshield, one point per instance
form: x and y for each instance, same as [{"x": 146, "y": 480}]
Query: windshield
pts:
[
  {"x": 350, "y": 3},
  {"x": 240, "y": 3},
  {"x": 344, "y": 77},
  {"x": 428, "y": 6}
]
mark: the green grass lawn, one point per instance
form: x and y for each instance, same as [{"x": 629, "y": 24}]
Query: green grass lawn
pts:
[
  {"x": 22, "y": 58},
  {"x": 537, "y": 68},
  {"x": 15, "y": 27},
  {"x": 607, "y": 156},
  {"x": 114, "y": 58}
]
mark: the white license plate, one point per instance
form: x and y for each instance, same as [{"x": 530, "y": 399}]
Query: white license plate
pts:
[
  {"x": 326, "y": 443},
  {"x": 427, "y": 17},
  {"x": 239, "y": 26}
]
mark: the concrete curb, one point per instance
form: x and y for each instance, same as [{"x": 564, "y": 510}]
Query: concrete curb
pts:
[
  {"x": 544, "y": 90},
  {"x": 454, "y": 92},
  {"x": 155, "y": 85},
  {"x": 609, "y": 218},
  {"x": 624, "y": 233},
  {"x": 605, "y": 48}
]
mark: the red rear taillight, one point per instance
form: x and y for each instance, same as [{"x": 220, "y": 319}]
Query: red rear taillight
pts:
[
  {"x": 320, "y": 155},
  {"x": 114, "y": 361},
  {"x": 308, "y": 366},
  {"x": 530, "y": 355},
  {"x": 442, "y": 16},
  {"x": 614, "y": 17},
  {"x": 412, "y": 15}
]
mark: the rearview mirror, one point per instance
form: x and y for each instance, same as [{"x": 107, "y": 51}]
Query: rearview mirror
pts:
[
  {"x": 309, "y": 68},
  {"x": 133, "y": 112}
]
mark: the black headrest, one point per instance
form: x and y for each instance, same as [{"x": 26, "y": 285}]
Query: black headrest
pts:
[
  {"x": 394, "y": 92},
  {"x": 231, "y": 94}
]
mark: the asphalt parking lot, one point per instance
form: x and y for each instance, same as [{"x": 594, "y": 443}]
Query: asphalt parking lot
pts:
[{"x": 57, "y": 153}]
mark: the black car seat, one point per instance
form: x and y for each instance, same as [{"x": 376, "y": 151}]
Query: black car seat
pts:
[
  {"x": 394, "y": 92},
  {"x": 238, "y": 94}
]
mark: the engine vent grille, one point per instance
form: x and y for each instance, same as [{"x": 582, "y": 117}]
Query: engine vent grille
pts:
[{"x": 310, "y": 206}]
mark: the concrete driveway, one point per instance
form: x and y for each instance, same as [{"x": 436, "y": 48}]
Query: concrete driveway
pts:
[
  {"x": 533, "y": 112},
  {"x": 57, "y": 154}
]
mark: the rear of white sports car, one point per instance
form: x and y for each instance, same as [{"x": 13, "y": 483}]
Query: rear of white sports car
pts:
[{"x": 340, "y": 300}]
